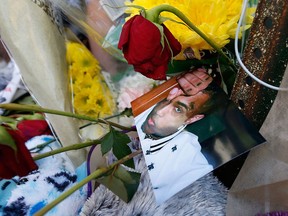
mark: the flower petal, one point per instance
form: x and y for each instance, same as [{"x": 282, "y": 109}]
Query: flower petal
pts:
[
  {"x": 142, "y": 44},
  {"x": 18, "y": 163},
  {"x": 124, "y": 37},
  {"x": 144, "y": 40},
  {"x": 31, "y": 128}
]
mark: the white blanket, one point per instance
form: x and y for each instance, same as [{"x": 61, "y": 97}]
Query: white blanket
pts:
[{"x": 27, "y": 195}]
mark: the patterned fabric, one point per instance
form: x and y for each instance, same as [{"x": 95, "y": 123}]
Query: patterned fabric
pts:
[
  {"x": 11, "y": 86},
  {"x": 56, "y": 174}
]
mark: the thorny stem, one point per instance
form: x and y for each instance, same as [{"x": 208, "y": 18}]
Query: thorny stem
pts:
[
  {"x": 126, "y": 112},
  {"x": 67, "y": 148},
  {"x": 35, "y": 108}
]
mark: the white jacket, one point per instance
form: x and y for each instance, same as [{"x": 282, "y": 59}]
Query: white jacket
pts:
[{"x": 176, "y": 165}]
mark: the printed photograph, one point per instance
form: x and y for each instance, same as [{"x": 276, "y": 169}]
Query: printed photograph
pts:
[{"x": 188, "y": 127}]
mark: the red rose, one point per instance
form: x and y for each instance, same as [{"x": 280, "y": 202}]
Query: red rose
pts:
[
  {"x": 140, "y": 41},
  {"x": 31, "y": 128},
  {"x": 13, "y": 162},
  {"x": 20, "y": 162}
]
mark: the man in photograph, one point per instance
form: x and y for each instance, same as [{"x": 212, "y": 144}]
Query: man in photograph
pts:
[{"x": 172, "y": 154}]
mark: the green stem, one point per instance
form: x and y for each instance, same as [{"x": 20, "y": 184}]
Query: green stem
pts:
[
  {"x": 125, "y": 112},
  {"x": 35, "y": 108},
  {"x": 96, "y": 174},
  {"x": 66, "y": 148},
  {"x": 41, "y": 146},
  {"x": 153, "y": 15}
]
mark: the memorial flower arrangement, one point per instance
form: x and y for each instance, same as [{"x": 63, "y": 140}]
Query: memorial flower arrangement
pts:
[
  {"x": 189, "y": 34},
  {"x": 152, "y": 41}
]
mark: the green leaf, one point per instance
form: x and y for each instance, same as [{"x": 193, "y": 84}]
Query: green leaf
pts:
[
  {"x": 120, "y": 148},
  {"x": 6, "y": 139},
  {"x": 5, "y": 119},
  {"x": 8, "y": 121},
  {"x": 34, "y": 116},
  {"x": 121, "y": 182},
  {"x": 107, "y": 142},
  {"x": 120, "y": 151},
  {"x": 228, "y": 74},
  {"x": 117, "y": 141}
]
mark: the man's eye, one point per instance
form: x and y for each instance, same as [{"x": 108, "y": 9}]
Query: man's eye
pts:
[{"x": 178, "y": 109}]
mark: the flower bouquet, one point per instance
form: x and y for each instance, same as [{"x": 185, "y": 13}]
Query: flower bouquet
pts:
[{"x": 159, "y": 40}]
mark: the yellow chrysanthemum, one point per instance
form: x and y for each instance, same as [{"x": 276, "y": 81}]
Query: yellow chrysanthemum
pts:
[
  {"x": 80, "y": 55},
  {"x": 91, "y": 95},
  {"x": 217, "y": 19}
]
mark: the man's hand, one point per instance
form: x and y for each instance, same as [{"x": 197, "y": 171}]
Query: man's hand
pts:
[
  {"x": 191, "y": 83},
  {"x": 194, "y": 81}
]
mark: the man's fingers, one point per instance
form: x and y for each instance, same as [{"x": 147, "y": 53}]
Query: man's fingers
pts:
[
  {"x": 187, "y": 86},
  {"x": 195, "y": 81},
  {"x": 202, "y": 74},
  {"x": 205, "y": 80},
  {"x": 175, "y": 92}
]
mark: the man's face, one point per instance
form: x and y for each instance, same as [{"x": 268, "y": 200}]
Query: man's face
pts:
[{"x": 168, "y": 116}]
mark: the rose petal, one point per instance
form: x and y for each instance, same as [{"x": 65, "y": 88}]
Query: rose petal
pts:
[
  {"x": 151, "y": 71},
  {"x": 144, "y": 41},
  {"x": 16, "y": 163},
  {"x": 124, "y": 37},
  {"x": 31, "y": 128}
]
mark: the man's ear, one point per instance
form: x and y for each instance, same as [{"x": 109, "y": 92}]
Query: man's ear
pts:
[{"x": 194, "y": 119}]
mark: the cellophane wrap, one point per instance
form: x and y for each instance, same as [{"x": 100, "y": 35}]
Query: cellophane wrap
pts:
[{"x": 32, "y": 33}]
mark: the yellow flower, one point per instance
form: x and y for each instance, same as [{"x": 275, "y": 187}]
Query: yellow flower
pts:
[
  {"x": 91, "y": 95},
  {"x": 217, "y": 19},
  {"x": 79, "y": 54}
]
